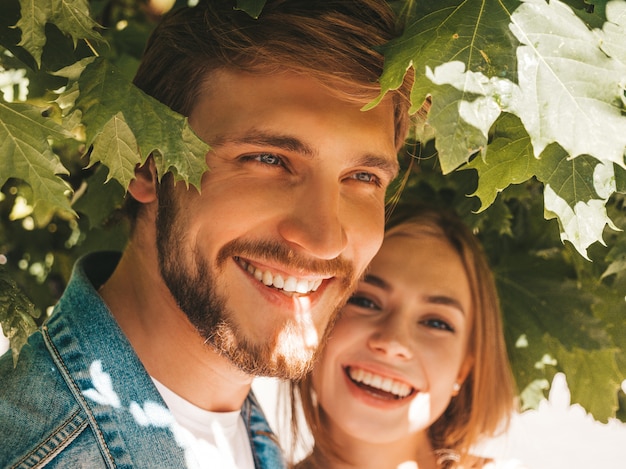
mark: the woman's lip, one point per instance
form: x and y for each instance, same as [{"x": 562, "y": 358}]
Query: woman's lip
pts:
[
  {"x": 373, "y": 399},
  {"x": 381, "y": 370},
  {"x": 378, "y": 387}
]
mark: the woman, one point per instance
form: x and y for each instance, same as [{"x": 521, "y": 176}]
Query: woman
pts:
[{"x": 415, "y": 371}]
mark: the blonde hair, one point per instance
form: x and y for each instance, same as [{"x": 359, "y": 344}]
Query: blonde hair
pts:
[{"x": 486, "y": 399}]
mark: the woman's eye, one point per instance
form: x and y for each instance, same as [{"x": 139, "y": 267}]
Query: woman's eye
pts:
[
  {"x": 438, "y": 324},
  {"x": 366, "y": 177},
  {"x": 269, "y": 159},
  {"x": 363, "y": 302}
]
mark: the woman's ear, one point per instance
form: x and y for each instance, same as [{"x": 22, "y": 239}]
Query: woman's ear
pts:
[
  {"x": 143, "y": 187},
  {"x": 464, "y": 371}
]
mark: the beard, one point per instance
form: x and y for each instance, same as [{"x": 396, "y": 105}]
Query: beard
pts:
[{"x": 290, "y": 351}]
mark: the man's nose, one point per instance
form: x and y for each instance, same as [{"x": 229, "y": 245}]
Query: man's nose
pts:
[{"x": 313, "y": 221}]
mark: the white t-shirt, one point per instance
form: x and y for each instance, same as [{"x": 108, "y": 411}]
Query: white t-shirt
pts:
[{"x": 209, "y": 439}]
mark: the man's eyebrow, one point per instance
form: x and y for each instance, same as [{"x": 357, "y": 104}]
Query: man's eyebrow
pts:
[
  {"x": 389, "y": 166},
  {"x": 264, "y": 139},
  {"x": 292, "y": 144}
]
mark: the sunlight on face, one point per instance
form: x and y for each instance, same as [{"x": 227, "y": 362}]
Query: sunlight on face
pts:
[
  {"x": 399, "y": 347},
  {"x": 419, "y": 412},
  {"x": 297, "y": 341}
]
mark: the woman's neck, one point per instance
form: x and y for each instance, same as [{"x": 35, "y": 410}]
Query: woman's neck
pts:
[{"x": 413, "y": 452}]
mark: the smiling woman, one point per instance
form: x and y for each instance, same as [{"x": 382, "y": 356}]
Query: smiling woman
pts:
[{"x": 415, "y": 371}]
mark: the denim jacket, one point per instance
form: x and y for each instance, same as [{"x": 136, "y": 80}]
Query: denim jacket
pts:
[{"x": 80, "y": 397}]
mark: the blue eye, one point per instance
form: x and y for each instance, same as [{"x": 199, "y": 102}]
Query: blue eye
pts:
[
  {"x": 366, "y": 177},
  {"x": 438, "y": 324},
  {"x": 269, "y": 159}
]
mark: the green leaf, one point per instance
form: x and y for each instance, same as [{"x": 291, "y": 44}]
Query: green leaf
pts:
[
  {"x": 474, "y": 33},
  {"x": 509, "y": 160},
  {"x": 578, "y": 198},
  {"x": 620, "y": 179},
  {"x": 593, "y": 378},
  {"x": 100, "y": 197},
  {"x": 570, "y": 90},
  {"x": 113, "y": 108},
  {"x": 70, "y": 16},
  {"x": 116, "y": 147},
  {"x": 16, "y": 314},
  {"x": 251, "y": 7},
  {"x": 570, "y": 179},
  {"x": 592, "y": 12},
  {"x": 27, "y": 155},
  {"x": 550, "y": 327}
]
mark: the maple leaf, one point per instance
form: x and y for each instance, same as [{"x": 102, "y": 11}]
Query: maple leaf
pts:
[
  {"x": 27, "y": 155},
  {"x": 125, "y": 126},
  {"x": 569, "y": 88},
  {"x": 70, "y": 16},
  {"x": 16, "y": 314},
  {"x": 474, "y": 33},
  {"x": 509, "y": 160},
  {"x": 550, "y": 328}
]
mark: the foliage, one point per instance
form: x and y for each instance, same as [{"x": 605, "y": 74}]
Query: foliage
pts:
[{"x": 524, "y": 135}]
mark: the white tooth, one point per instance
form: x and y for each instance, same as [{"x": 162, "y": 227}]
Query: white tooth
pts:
[
  {"x": 302, "y": 286},
  {"x": 278, "y": 281},
  {"x": 396, "y": 388},
  {"x": 376, "y": 381},
  {"x": 316, "y": 285},
  {"x": 290, "y": 284},
  {"x": 267, "y": 278},
  {"x": 386, "y": 384},
  {"x": 405, "y": 389},
  {"x": 258, "y": 274},
  {"x": 250, "y": 268}
]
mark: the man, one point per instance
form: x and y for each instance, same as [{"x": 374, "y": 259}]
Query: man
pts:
[{"x": 147, "y": 360}]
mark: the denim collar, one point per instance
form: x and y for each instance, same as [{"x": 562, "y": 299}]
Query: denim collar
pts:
[{"x": 132, "y": 424}]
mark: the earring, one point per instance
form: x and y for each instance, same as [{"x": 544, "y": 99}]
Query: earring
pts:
[{"x": 456, "y": 387}]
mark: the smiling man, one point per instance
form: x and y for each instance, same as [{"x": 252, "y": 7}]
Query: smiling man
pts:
[{"x": 148, "y": 358}]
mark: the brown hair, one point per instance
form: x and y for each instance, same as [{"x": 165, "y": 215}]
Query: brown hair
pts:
[
  {"x": 333, "y": 41},
  {"x": 486, "y": 399}
]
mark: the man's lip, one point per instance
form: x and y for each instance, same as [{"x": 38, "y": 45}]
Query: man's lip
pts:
[{"x": 291, "y": 284}]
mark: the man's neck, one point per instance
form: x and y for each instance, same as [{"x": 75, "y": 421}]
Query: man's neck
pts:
[{"x": 167, "y": 344}]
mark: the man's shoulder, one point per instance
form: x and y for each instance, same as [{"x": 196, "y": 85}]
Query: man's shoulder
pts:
[{"x": 37, "y": 410}]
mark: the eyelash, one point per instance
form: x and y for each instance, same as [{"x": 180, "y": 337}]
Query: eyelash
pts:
[
  {"x": 366, "y": 303},
  {"x": 371, "y": 178},
  {"x": 261, "y": 158},
  {"x": 363, "y": 302},
  {"x": 438, "y": 324}
]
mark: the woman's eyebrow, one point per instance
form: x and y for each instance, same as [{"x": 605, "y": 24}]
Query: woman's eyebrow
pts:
[
  {"x": 376, "y": 281},
  {"x": 446, "y": 301}
]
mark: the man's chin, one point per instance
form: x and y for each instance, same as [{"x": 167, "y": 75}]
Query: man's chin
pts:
[{"x": 289, "y": 355}]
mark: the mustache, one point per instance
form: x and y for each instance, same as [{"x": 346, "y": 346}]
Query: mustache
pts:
[{"x": 276, "y": 252}]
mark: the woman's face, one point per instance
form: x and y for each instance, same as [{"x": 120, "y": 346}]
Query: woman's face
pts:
[{"x": 399, "y": 346}]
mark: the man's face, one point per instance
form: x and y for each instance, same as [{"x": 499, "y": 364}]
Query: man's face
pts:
[{"x": 290, "y": 213}]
